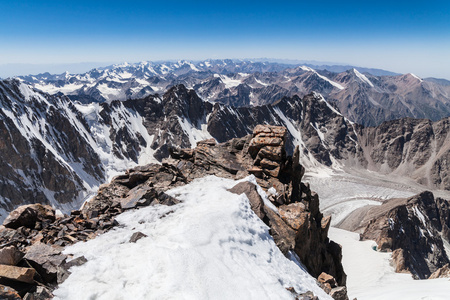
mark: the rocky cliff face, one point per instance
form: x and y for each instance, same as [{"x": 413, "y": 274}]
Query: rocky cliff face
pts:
[
  {"x": 411, "y": 229},
  {"x": 410, "y": 147},
  {"x": 291, "y": 209},
  {"x": 44, "y": 156}
]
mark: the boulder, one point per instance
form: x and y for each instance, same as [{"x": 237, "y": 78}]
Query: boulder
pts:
[
  {"x": 137, "y": 236},
  {"x": 10, "y": 256},
  {"x": 45, "y": 259},
  {"x": 17, "y": 273},
  {"x": 27, "y": 215},
  {"x": 138, "y": 196},
  {"x": 295, "y": 215},
  {"x": 328, "y": 279}
]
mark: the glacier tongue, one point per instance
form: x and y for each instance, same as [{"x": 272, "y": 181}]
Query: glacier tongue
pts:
[{"x": 211, "y": 246}]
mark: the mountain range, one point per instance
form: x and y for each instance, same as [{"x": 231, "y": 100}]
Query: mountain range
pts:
[{"x": 362, "y": 97}]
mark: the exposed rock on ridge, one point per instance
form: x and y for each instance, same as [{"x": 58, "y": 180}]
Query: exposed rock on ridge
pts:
[{"x": 410, "y": 228}]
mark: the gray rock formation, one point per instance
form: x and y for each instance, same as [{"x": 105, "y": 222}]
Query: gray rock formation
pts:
[{"x": 410, "y": 228}]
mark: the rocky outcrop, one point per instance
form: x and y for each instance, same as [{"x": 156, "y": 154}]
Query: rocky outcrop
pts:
[
  {"x": 298, "y": 226},
  {"x": 413, "y": 148},
  {"x": 410, "y": 229},
  {"x": 443, "y": 272}
]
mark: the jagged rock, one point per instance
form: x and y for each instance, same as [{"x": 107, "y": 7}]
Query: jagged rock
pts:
[
  {"x": 7, "y": 293},
  {"x": 339, "y": 293},
  {"x": 443, "y": 207},
  {"x": 63, "y": 269},
  {"x": 249, "y": 189},
  {"x": 40, "y": 293},
  {"x": 27, "y": 215},
  {"x": 45, "y": 259},
  {"x": 408, "y": 227},
  {"x": 137, "y": 236},
  {"x": 307, "y": 296},
  {"x": 295, "y": 215},
  {"x": 138, "y": 196},
  {"x": 328, "y": 279},
  {"x": 208, "y": 142},
  {"x": 17, "y": 273},
  {"x": 443, "y": 272},
  {"x": 307, "y": 235},
  {"x": 10, "y": 256}
]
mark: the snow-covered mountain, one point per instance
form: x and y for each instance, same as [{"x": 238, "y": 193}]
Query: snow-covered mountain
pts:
[
  {"x": 364, "y": 98},
  {"x": 84, "y": 145}
]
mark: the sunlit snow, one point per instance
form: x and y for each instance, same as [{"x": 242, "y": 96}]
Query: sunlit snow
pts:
[
  {"x": 211, "y": 246},
  {"x": 370, "y": 275}
]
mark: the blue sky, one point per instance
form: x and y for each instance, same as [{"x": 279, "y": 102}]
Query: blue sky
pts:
[{"x": 401, "y": 36}]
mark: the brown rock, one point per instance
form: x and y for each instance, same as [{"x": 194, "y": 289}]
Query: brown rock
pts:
[
  {"x": 399, "y": 261},
  {"x": 279, "y": 131},
  {"x": 269, "y": 164},
  {"x": 294, "y": 214},
  {"x": 327, "y": 278},
  {"x": 257, "y": 171},
  {"x": 273, "y": 173},
  {"x": 283, "y": 235},
  {"x": 10, "y": 256},
  {"x": 7, "y": 293},
  {"x": 27, "y": 215},
  {"x": 339, "y": 293},
  {"x": 443, "y": 272},
  {"x": 271, "y": 153},
  {"x": 208, "y": 142},
  {"x": 249, "y": 189},
  {"x": 17, "y": 273}
]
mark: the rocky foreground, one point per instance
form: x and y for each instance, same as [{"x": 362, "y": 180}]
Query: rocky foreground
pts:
[{"x": 32, "y": 237}]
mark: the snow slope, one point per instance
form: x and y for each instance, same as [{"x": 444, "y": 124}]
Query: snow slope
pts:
[
  {"x": 371, "y": 277},
  {"x": 210, "y": 246}
]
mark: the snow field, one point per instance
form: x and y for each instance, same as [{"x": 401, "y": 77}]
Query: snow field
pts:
[
  {"x": 370, "y": 275},
  {"x": 211, "y": 246}
]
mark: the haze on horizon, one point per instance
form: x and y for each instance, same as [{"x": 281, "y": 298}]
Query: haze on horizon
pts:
[{"x": 399, "y": 36}]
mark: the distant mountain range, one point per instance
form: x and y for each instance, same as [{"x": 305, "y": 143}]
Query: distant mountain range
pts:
[{"x": 360, "y": 94}]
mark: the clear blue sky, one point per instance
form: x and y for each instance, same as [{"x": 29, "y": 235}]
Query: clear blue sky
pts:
[{"x": 401, "y": 36}]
